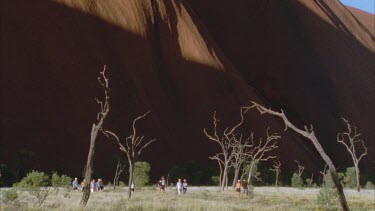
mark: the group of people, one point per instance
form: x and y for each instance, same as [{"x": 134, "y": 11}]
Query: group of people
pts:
[
  {"x": 245, "y": 188},
  {"x": 181, "y": 186},
  {"x": 94, "y": 186}
]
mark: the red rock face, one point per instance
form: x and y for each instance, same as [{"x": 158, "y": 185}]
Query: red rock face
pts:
[{"x": 182, "y": 61}]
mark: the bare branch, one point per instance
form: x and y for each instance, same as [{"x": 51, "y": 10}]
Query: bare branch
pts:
[
  {"x": 300, "y": 168},
  {"x": 350, "y": 139}
]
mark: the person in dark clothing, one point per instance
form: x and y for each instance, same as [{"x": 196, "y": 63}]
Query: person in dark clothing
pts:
[{"x": 245, "y": 187}]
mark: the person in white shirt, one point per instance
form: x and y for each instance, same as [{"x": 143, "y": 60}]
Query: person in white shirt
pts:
[{"x": 179, "y": 186}]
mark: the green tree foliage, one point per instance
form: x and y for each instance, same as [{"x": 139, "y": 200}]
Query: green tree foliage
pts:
[
  {"x": 36, "y": 184},
  {"x": 350, "y": 179},
  {"x": 254, "y": 172},
  {"x": 141, "y": 173},
  {"x": 297, "y": 181}
]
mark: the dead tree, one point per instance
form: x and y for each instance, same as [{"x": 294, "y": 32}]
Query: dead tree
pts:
[
  {"x": 221, "y": 164},
  {"x": 119, "y": 169},
  {"x": 300, "y": 168},
  {"x": 352, "y": 143},
  {"x": 241, "y": 147},
  {"x": 259, "y": 152},
  {"x": 276, "y": 167},
  {"x": 132, "y": 146},
  {"x": 309, "y": 134},
  {"x": 96, "y": 127},
  {"x": 225, "y": 140}
]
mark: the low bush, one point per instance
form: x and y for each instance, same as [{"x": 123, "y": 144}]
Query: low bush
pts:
[
  {"x": 369, "y": 185},
  {"x": 327, "y": 196},
  {"x": 297, "y": 181},
  {"x": 10, "y": 196},
  {"x": 36, "y": 184}
]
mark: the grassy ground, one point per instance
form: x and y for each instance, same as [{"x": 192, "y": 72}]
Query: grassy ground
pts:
[{"x": 197, "y": 198}]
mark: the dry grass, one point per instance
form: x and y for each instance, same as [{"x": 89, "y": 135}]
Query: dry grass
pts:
[{"x": 197, "y": 198}]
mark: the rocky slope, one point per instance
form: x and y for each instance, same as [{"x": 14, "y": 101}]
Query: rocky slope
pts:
[{"x": 182, "y": 60}]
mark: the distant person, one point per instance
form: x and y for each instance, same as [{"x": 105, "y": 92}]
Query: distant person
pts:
[
  {"x": 184, "y": 186},
  {"x": 92, "y": 185},
  {"x": 245, "y": 187},
  {"x": 179, "y": 186},
  {"x": 97, "y": 185},
  {"x": 132, "y": 186},
  {"x": 83, "y": 185},
  {"x": 238, "y": 188},
  {"x": 163, "y": 184},
  {"x": 101, "y": 183},
  {"x": 75, "y": 184}
]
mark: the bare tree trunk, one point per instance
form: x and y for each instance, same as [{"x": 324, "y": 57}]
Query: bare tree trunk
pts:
[
  {"x": 226, "y": 181},
  {"x": 250, "y": 172},
  {"x": 225, "y": 175},
  {"x": 309, "y": 134},
  {"x": 221, "y": 175},
  {"x": 236, "y": 173},
  {"x": 104, "y": 110},
  {"x": 277, "y": 178},
  {"x": 333, "y": 172},
  {"x": 89, "y": 166},
  {"x": 357, "y": 175},
  {"x": 131, "y": 174}
]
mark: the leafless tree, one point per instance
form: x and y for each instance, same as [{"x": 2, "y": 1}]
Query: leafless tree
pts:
[
  {"x": 225, "y": 140},
  {"x": 119, "y": 168},
  {"x": 300, "y": 168},
  {"x": 132, "y": 146},
  {"x": 352, "y": 143},
  {"x": 96, "y": 127},
  {"x": 310, "y": 181},
  {"x": 309, "y": 134},
  {"x": 220, "y": 162},
  {"x": 241, "y": 146},
  {"x": 260, "y": 151},
  {"x": 276, "y": 167}
]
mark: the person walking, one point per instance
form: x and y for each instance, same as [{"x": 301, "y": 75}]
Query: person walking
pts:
[
  {"x": 97, "y": 185},
  {"x": 179, "y": 186},
  {"x": 101, "y": 183},
  {"x": 163, "y": 184},
  {"x": 83, "y": 185},
  {"x": 75, "y": 184},
  {"x": 245, "y": 187},
  {"x": 92, "y": 185},
  {"x": 132, "y": 186},
  {"x": 238, "y": 188},
  {"x": 184, "y": 186}
]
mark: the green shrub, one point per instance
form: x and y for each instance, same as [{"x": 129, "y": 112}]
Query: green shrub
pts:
[
  {"x": 10, "y": 196},
  {"x": 141, "y": 173},
  {"x": 350, "y": 179},
  {"x": 121, "y": 184},
  {"x": 63, "y": 181},
  {"x": 297, "y": 181},
  {"x": 309, "y": 182},
  {"x": 34, "y": 179},
  {"x": 327, "y": 196},
  {"x": 215, "y": 180},
  {"x": 251, "y": 192},
  {"x": 369, "y": 185},
  {"x": 35, "y": 183}
]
